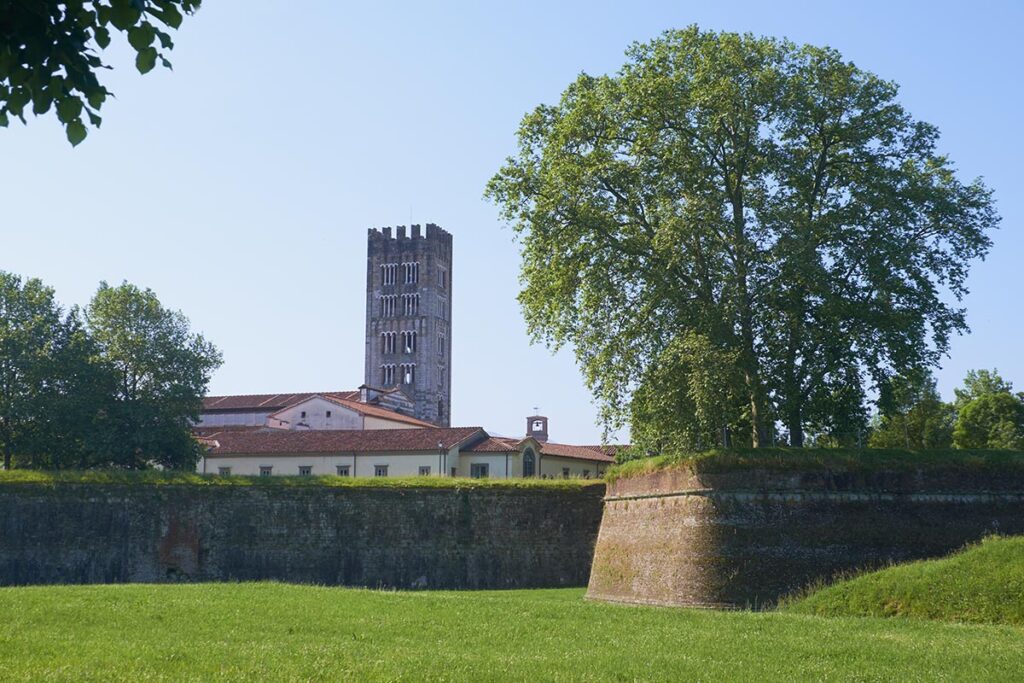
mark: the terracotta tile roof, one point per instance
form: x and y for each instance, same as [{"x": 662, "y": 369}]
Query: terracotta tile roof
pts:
[
  {"x": 283, "y": 441},
  {"x": 205, "y": 432},
  {"x": 274, "y": 403},
  {"x": 495, "y": 445},
  {"x": 608, "y": 449},
  {"x": 375, "y": 411},
  {"x": 578, "y": 452},
  {"x": 268, "y": 402},
  {"x": 501, "y": 444}
]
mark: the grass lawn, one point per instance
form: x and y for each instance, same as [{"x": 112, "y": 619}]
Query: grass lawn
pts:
[
  {"x": 825, "y": 459},
  {"x": 983, "y": 584},
  {"x": 269, "y": 631},
  {"x": 14, "y": 478}
]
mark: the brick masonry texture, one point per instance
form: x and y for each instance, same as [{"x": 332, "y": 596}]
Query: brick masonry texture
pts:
[
  {"x": 401, "y": 538},
  {"x": 747, "y": 538}
]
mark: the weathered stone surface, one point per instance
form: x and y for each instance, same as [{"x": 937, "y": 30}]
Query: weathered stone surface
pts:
[
  {"x": 404, "y": 538},
  {"x": 746, "y": 538}
]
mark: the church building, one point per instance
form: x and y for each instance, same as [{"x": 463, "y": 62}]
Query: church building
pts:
[{"x": 397, "y": 422}]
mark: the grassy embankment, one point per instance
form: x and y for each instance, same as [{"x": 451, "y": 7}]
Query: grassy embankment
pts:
[
  {"x": 280, "y": 632},
  {"x": 158, "y": 478},
  {"x": 834, "y": 459},
  {"x": 983, "y": 583}
]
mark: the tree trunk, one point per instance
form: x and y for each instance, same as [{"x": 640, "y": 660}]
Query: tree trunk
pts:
[
  {"x": 758, "y": 431},
  {"x": 795, "y": 423}
]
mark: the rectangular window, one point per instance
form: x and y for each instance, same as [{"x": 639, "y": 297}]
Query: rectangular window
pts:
[
  {"x": 565, "y": 473},
  {"x": 328, "y": 413},
  {"x": 305, "y": 470},
  {"x": 455, "y": 472},
  {"x": 265, "y": 470},
  {"x": 586, "y": 474},
  {"x": 380, "y": 470},
  {"x": 442, "y": 278},
  {"x": 479, "y": 470},
  {"x": 303, "y": 414},
  {"x": 343, "y": 471},
  {"x": 224, "y": 471},
  {"x": 424, "y": 470}
]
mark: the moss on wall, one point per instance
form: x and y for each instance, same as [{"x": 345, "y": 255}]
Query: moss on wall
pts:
[
  {"x": 745, "y": 536},
  {"x": 404, "y": 536}
]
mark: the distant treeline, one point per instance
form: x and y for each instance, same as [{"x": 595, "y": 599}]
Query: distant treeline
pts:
[
  {"x": 113, "y": 385},
  {"x": 986, "y": 413}
]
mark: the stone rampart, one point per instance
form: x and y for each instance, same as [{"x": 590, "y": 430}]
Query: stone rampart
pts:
[
  {"x": 430, "y": 537},
  {"x": 747, "y": 537}
]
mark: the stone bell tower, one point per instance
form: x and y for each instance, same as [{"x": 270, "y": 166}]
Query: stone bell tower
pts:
[{"x": 409, "y": 317}]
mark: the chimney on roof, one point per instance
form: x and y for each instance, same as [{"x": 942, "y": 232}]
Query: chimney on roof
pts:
[{"x": 537, "y": 427}]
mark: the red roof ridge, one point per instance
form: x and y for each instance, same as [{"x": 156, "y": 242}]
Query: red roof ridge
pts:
[{"x": 289, "y": 441}]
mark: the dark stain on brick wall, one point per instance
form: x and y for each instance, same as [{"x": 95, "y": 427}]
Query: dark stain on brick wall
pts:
[
  {"x": 747, "y": 538},
  {"x": 402, "y": 538}
]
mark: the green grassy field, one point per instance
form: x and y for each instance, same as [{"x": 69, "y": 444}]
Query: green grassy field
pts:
[
  {"x": 269, "y": 631},
  {"x": 981, "y": 584}
]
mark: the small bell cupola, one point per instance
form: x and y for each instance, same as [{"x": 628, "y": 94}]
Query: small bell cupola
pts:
[{"x": 537, "y": 427}]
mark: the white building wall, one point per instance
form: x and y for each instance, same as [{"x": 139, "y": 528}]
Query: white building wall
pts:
[
  {"x": 399, "y": 464},
  {"x": 494, "y": 461},
  {"x": 552, "y": 467},
  {"x": 361, "y": 464},
  {"x": 316, "y": 410},
  {"x": 371, "y": 422}
]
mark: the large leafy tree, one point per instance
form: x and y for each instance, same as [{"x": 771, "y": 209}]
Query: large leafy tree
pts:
[
  {"x": 50, "y": 53},
  {"x": 989, "y": 413},
  {"x": 772, "y": 200},
  {"x": 54, "y": 392},
  {"x": 162, "y": 371},
  {"x": 30, "y": 326}
]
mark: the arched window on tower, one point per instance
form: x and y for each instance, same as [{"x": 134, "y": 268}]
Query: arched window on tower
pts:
[
  {"x": 408, "y": 373},
  {"x": 409, "y": 341}
]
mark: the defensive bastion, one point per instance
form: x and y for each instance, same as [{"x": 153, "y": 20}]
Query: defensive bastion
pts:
[
  {"x": 743, "y": 530},
  {"x": 109, "y": 528}
]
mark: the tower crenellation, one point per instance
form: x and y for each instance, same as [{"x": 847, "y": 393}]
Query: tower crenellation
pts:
[{"x": 408, "y": 316}]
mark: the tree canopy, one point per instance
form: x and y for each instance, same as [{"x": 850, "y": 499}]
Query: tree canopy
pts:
[
  {"x": 989, "y": 413},
  {"x": 119, "y": 389},
  {"x": 49, "y": 53},
  {"x": 768, "y": 207},
  {"x": 913, "y": 415},
  {"x": 162, "y": 372}
]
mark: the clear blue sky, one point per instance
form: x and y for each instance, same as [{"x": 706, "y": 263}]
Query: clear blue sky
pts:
[{"x": 240, "y": 186}]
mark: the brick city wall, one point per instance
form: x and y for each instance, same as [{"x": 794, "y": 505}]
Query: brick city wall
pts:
[
  {"x": 494, "y": 537},
  {"x": 747, "y": 538}
]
